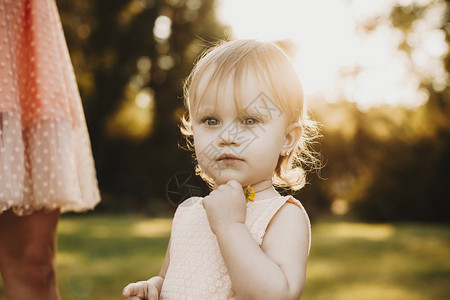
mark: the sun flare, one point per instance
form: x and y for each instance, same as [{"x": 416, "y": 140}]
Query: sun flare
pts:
[{"x": 337, "y": 60}]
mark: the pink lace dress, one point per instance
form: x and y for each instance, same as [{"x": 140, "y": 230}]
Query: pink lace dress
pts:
[
  {"x": 45, "y": 152},
  {"x": 196, "y": 269}
]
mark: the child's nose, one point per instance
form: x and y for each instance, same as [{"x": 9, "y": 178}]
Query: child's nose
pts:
[
  {"x": 227, "y": 139},
  {"x": 229, "y": 136}
]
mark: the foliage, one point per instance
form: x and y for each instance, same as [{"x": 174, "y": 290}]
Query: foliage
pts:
[
  {"x": 391, "y": 163},
  {"x": 130, "y": 57}
]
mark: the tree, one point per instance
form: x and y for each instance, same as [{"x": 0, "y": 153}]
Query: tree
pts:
[{"x": 130, "y": 57}]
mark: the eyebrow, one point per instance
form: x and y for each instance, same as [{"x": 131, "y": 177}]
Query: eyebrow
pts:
[
  {"x": 254, "y": 112},
  {"x": 205, "y": 110}
]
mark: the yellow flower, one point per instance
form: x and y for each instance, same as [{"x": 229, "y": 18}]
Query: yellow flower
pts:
[{"x": 249, "y": 194}]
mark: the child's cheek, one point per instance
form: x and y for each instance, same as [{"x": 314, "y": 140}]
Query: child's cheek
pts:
[{"x": 206, "y": 157}]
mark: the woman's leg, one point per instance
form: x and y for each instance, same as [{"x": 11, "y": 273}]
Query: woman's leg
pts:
[{"x": 27, "y": 254}]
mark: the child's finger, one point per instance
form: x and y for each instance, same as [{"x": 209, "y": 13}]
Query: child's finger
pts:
[
  {"x": 152, "y": 294},
  {"x": 126, "y": 291},
  {"x": 133, "y": 289},
  {"x": 221, "y": 187},
  {"x": 234, "y": 184}
]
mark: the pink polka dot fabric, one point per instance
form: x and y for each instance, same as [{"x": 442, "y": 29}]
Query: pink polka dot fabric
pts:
[{"x": 45, "y": 153}]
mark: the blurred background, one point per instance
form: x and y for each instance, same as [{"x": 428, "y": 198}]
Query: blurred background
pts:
[{"x": 375, "y": 75}]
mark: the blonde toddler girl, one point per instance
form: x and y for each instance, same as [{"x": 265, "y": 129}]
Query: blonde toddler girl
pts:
[{"x": 250, "y": 131}]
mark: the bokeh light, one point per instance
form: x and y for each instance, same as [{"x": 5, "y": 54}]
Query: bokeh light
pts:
[{"x": 162, "y": 27}]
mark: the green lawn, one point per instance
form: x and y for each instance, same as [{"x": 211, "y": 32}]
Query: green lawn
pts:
[{"x": 98, "y": 255}]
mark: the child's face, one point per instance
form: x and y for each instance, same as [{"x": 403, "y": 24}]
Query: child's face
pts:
[{"x": 252, "y": 137}]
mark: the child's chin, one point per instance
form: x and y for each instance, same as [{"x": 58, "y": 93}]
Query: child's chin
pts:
[{"x": 219, "y": 180}]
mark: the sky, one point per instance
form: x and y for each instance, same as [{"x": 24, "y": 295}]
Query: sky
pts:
[{"x": 330, "y": 42}]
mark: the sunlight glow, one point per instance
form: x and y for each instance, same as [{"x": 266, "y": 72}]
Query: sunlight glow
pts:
[
  {"x": 64, "y": 258},
  {"x": 162, "y": 27},
  {"x": 375, "y": 290},
  {"x": 378, "y": 232},
  {"x": 333, "y": 48},
  {"x": 144, "y": 98},
  {"x": 144, "y": 64},
  {"x": 155, "y": 227},
  {"x": 135, "y": 117}
]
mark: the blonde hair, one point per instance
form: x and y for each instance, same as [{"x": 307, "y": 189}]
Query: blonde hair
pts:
[{"x": 272, "y": 67}]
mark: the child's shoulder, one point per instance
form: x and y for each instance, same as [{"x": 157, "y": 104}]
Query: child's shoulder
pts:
[
  {"x": 293, "y": 204},
  {"x": 290, "y": 222},
  {"x": 291, "y": 212}
]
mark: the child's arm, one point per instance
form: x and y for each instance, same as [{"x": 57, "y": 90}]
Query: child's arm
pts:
[
  {"x": 276, "y": 270},
  {"x": 150, "y": 289}
]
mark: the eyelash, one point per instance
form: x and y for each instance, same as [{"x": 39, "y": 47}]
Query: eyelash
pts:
[
  {"x": 205, "y": 120},
  {"x": 256, "y": 121}
]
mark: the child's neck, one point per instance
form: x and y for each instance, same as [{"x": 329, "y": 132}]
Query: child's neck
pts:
[{"x": 264, "y": 190}]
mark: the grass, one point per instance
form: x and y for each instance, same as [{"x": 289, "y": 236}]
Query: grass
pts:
[
  {"x": 99, "y": 255},
  {"x": 383, "y": 261}
]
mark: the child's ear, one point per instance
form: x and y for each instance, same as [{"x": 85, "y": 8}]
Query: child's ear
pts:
[{"x": 293, "y": 134}]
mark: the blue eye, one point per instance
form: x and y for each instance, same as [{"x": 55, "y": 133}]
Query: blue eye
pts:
[
  {"x": 249, "y": 121},
  {"x": 210, "y": 121}
]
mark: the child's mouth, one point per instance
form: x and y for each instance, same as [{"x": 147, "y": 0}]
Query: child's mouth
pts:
[{"x": 229, "y": 159}]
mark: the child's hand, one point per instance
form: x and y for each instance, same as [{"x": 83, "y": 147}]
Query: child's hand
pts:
[
  {"x": 225, "y": 205},
  {"x": 141, "y": 290}
]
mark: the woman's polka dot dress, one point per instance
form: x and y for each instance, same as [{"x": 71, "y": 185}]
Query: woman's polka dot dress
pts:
[{"x": 45, "y": 153}]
